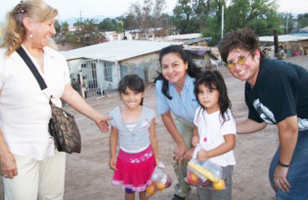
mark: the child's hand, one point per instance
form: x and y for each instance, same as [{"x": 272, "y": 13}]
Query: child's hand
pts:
[
  {"x": 160, "y": 164},
  {"x": 112, "y": 163},
  {"x": 195, "y": 141},
  {"x": 202, "y": 155},
  {"x": 157, "y": 160}
]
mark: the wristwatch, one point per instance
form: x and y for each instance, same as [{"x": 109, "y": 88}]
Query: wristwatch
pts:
[{"x": 282, "y": 164}]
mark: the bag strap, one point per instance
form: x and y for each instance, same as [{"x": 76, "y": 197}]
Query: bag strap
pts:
[{"x": 32, "y": 67}]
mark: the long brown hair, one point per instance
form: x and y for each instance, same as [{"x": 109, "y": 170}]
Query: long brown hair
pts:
[{"x": 14, "y": 32}]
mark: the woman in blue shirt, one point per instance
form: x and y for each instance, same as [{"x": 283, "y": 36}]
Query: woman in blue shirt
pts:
[{"x": 175, "y": 93}]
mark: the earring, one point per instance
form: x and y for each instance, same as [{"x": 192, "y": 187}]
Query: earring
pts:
[{"x": 31, "y": 35}]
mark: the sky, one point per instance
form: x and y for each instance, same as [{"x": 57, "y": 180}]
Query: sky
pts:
[
  {"x": 87, "y": 8},
  {"x": 114, "y": 8}
]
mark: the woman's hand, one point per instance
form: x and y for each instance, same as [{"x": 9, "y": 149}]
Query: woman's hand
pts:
[
  {"x": 112, "y": 163},
  {"x": 102, "y": 123},
  {"x": 189, "y": 153},
  {"x": 179, "y": 153},
  {"x": 202, "y": 155},
  {"x": 8, "y": 165},
  {"x": 280, "y": 178}
]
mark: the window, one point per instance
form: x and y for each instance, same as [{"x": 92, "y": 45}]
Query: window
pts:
[{"x": 108, "y": 72}]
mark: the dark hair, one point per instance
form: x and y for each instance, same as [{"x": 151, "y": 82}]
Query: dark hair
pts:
[
  {"x": 244, "y": 39},
  {"x": 213, "y": 79},
  {"x": 192, "y": 70},
  {"x": 133, "y": 82}
]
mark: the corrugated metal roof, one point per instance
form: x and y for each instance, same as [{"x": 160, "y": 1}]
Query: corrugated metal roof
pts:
[
  {"x": 183, "y": 36},
  {"x": 283, "y": 38},
  {"x": 116, "y": 50}
]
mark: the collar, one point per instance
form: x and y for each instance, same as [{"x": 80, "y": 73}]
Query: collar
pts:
[{"x": 49, "y": 52}]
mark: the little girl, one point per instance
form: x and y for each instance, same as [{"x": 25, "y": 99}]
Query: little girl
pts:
[
  {"x": 215, "y": 130},
  {"x": 133, "y": 128}
]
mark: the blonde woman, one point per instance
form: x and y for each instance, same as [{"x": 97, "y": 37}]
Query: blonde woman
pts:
[{"x": 31, "y": 167}]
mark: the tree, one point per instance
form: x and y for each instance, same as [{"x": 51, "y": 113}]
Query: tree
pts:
[
  {"x": 86, "y": 33},
  {"x": 260, "y": 16},
  {"x": 57, "y": 26},
  {"x": 109, "y": 24},
  {"x": 183, "y": 17},
  {"x": 213, "y": 21},
  {"x": 158, "y": 12},
  {"x": 202, "y": 10},
  {"x": 302, "y": 20},
  {"x": 64, "y": 27},
  {"x": 146, "y": 16}
]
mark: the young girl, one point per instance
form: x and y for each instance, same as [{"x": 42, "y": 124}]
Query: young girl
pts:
[
  {"x": 215, "y": 130},
  {"x": 133, "y": 128}
]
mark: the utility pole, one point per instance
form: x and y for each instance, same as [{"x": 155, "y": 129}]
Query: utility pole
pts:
[
  {"x": 222, "y": 21},
  {"x": 287, "y": 23},
  {"x": 276, "y": 43}
]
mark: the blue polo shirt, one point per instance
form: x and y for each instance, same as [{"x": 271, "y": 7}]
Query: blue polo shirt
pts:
[{"x": 182, "y": 106}]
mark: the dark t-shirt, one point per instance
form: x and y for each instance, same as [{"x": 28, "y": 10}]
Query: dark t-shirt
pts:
[{"x": 281, "y": 91}]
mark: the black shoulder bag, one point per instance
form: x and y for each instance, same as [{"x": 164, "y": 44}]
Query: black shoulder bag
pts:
[{"x": 62, "y": 125}]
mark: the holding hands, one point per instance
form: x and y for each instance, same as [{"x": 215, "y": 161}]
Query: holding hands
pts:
[{"x": 102, "y": 123}]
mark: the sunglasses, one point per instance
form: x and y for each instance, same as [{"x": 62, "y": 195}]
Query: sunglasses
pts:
[{"x": 241, "y": 61}]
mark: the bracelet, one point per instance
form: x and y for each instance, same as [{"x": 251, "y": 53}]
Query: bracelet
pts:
[{"x": 282, "y": 164}]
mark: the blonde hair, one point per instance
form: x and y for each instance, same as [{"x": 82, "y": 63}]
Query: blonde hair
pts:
[{"x": 14, "y": 31}]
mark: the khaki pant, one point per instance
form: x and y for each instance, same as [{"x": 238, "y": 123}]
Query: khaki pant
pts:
[
  {"x": 182, "y": 188},
  {"x": 37, "y": 180}
]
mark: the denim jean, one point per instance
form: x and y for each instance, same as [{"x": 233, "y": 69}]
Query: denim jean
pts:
[{"x": 298, "y": 171}]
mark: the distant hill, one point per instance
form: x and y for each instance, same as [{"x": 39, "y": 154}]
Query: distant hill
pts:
[{"x": 71, "y": 21}]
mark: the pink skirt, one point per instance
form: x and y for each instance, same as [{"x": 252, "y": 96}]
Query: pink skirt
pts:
[{"x": 134, "y": 170}]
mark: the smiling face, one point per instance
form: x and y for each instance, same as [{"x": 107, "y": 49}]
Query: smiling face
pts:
[
  {"x": 132, "y": 99},
  {"x": 174, "y": 68},
  {"x": 208, "y": 98},
  {"x": 41, "y": 32},
  {"x": 247, "y": 71}
]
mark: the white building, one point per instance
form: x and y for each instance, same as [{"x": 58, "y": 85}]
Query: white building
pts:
[{"x": 105, "y": 64}]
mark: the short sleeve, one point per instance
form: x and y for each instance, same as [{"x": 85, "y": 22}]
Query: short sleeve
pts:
[
  {"x": 161, "y": 102},
  {"x": 151, "y": 114},
  {"x": 229, "y": 126},
  {"x": 67, "y": 79},
  {"x": 197, "y": 115},
  {"x": 252, "y": 112},
  {"x": 114, "y": 117}
]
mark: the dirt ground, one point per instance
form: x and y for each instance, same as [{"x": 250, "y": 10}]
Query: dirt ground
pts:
[{"x": 88, "y": 175}]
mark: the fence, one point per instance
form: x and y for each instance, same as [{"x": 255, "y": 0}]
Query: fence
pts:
[{"x": 96, "y": 77}]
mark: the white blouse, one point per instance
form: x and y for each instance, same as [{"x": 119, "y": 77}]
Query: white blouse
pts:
[{"x": 24, "y": 107}]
